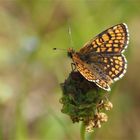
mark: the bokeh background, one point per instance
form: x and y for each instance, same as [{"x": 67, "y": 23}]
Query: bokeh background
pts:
[{"x": 31, "y": 72}]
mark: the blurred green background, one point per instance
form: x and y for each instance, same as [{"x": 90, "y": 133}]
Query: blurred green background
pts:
[{"x": 30, "y": 71}]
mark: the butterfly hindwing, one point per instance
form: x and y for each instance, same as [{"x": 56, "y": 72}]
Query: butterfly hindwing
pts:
[
  {"x": 112, "y": 65},
  {"x": 92, "y": 73}
]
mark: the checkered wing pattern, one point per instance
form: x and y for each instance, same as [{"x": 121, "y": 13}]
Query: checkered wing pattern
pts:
[
  {"x": 92, "y": 72},
  {"x": 113, "y": 66},
  {"x": 112, "y": 40},
  {"x": 101, "y": 59}
]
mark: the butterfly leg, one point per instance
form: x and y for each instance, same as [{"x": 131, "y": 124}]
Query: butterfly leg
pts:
[{"x": 73, "y": 66}]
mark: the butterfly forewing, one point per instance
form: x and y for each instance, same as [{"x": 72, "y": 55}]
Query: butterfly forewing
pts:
[{"x": 112, "y": 40}]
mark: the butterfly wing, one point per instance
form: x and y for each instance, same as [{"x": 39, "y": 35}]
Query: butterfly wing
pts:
[
  {"x": 113, "y": 40},
  {"x": 112, "y": 65},
  {"x": 102, "y": 70},
  {"x": 92, "y": 73}
]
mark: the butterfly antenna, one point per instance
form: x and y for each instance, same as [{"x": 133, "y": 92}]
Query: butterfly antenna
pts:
[
  {"x": 70, "y": 36},
  {"x": 71, "y": 41}
]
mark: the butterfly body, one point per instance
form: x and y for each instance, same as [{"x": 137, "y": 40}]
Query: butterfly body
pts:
[{"x": 101, "y": 60}]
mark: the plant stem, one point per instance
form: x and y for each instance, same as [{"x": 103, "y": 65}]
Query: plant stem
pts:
[{"x": 82, "y": 131}]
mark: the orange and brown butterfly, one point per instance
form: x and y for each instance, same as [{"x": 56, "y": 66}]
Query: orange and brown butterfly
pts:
[{"x": 101, "y": 60}]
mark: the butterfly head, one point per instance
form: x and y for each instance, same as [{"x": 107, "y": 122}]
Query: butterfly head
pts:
[{"x": 70, "y": 52}]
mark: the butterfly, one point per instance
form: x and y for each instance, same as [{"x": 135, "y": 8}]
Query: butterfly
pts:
[{"x": 101, "y": 60}]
